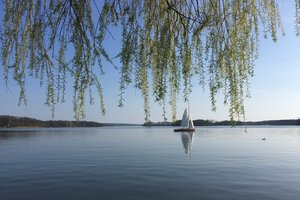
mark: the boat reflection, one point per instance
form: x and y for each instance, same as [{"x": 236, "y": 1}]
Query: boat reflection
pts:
[{"x": 187, "y": 140}]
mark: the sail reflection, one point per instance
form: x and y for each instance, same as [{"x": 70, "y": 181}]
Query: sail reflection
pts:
[{"x": 187, "y": 140}]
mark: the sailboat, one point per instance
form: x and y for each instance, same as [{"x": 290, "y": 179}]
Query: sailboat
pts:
[{"x": 187, "y": 124}]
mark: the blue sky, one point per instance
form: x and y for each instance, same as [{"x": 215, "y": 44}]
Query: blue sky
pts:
[{"x": 274, "y": 89}]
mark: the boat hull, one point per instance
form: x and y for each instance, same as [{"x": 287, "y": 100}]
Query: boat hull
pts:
[{"x": 184, "y": 130}]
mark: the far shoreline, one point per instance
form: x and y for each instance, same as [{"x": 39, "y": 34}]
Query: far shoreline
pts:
[{"x": 9, "y": 122}]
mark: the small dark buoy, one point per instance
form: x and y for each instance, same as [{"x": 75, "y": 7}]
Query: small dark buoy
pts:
[{"x": 264, "y": 139}]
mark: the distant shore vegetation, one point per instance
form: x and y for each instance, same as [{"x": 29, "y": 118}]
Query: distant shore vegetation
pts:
[
  {"x": 7, "y": 121},
  {"x": 201, "y": 122}
]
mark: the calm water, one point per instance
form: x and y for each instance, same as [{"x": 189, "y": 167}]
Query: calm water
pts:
[{"x": 150, "y": 163}]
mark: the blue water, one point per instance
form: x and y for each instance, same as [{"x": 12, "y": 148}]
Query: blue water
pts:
[{"x": 150, "y": 163}]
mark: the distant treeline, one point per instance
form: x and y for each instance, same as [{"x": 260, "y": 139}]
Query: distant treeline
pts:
[
  {"x": 7, "y": 121},
  {"x": 11, "y": 122},
  {"x": 200, "y": 122}
]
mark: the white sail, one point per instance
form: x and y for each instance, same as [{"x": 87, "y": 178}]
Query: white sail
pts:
[
  {"x": 185, "y": 119},
  {"x": 191, "y": 123}
]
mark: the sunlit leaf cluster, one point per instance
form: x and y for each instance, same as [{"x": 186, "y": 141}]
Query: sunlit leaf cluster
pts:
[{"x": 165, "y": 44}]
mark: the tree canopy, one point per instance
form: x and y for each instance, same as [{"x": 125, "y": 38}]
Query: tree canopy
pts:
[{"x": 165, "y": 43}]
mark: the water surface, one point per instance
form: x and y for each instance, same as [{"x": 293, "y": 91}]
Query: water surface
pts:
[{"x": 150, "y": 163}]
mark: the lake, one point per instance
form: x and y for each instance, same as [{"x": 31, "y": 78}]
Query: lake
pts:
[{"x": 214, "y": 163}]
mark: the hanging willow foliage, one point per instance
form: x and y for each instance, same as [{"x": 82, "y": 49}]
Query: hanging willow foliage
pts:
[
  {"x": 164, "y": 43},
  {"x": 35, "y": 38},
  {"x": 175, "y": 40}
]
